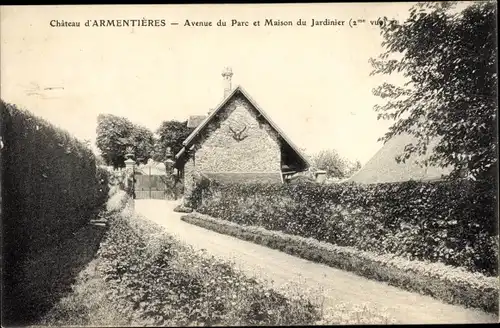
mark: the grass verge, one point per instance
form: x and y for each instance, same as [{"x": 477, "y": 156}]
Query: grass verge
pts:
[
  {"x": 450, "y": 284},
  {"x": 47, "y": 276},
  {"x": 87, "y": 304}
]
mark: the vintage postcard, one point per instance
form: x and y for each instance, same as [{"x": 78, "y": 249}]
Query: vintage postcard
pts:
[{"x": 249, "y": 164}]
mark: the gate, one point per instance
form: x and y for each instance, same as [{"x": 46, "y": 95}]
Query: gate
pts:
[{"x": 150, "y": 186}]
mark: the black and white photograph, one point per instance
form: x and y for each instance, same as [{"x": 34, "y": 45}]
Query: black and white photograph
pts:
[{"x": 300, "y": 164}]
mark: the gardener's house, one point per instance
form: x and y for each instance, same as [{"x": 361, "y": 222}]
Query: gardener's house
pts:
[{"x": 237, "y": 142}]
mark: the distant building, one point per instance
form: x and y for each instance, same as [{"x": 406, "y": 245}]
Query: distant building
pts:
[
  {"x": 382, "y": 167},
  {"x": 238, "y": 142}
]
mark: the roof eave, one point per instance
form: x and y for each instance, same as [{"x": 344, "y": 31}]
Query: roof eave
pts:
[
  {"x": 195, "y": 132},
  {"x": 239, "y": 88},
  {"x": 275, "y": 126}
]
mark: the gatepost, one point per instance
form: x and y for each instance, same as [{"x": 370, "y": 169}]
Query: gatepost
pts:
[
  {"x": 130, "y": 174},
  {"x": 169, "y": 165}
]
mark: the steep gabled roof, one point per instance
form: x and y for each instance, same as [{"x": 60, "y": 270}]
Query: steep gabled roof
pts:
[
  {"x": 383, "y": 168},
  {"x": 213, "y": 113}
]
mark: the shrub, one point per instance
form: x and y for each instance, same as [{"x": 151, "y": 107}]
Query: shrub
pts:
[
  {"x": 452, "y": 222},
  {"x": 117, "y": 178},
  {"x": 117, "y": 201},
  {"x": 103, "y": 187},
  {"x": 177, "y": 189},
  {"x": 183, "y": 209},
  {"x": 113, "y": 190},
  {"x": 453, "y": 285}
]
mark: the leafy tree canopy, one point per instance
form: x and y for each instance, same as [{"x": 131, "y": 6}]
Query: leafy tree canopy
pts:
[
  {"x": 115, "y": 133},
  {"x": 170, "y": 134},
  {"x": 448, "y": 57}
]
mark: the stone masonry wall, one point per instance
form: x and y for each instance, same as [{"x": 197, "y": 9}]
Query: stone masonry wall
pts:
[{"x": 216, "y": 150}]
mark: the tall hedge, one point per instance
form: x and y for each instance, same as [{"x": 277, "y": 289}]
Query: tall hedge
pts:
[
  {"x": 452, "y": 222},
  {"x": 50, "y": 184}
]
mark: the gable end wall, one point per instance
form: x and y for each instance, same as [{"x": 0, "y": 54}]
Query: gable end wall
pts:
[{"x": 217, "y": 151}]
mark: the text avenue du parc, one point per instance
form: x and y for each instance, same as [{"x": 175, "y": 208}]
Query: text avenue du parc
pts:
[
  {"x": 265, "y": 22},
  {"x": 190, "y": 23}
]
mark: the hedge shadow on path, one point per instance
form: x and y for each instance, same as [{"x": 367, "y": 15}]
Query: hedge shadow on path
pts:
[{"x": 47, "y": 276}]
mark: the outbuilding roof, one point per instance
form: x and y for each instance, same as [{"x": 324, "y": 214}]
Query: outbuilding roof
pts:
[{"x": 383, "y": 168}]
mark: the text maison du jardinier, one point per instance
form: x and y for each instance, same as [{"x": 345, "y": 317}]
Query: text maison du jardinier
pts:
[{"x": 270, "y": 22}]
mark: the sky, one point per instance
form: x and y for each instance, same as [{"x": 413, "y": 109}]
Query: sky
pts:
[{"x": 312, "y": 81}]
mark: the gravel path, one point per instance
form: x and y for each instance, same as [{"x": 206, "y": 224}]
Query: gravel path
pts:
[{"x": 336, "y": 285}]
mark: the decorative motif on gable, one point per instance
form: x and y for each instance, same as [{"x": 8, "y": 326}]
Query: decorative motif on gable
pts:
[{"x": 237, "y": 129}]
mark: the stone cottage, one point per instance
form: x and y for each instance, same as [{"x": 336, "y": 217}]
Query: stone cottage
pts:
[{"x": 237, "y": 142}]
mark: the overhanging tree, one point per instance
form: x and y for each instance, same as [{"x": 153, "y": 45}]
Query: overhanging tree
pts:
[
  {"x": 170, "y": 134},
  {"x": 448, "y": 58}
]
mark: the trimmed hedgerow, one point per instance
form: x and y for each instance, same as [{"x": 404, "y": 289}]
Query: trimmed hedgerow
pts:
[
  {"x": 450, "y": 284},
  {"x": 50, "y": 187},
  {"x": 452, "y": 222}
]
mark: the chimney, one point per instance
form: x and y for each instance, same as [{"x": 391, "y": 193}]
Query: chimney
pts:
[{"x": 227, "y": 73}]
